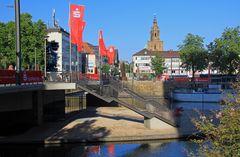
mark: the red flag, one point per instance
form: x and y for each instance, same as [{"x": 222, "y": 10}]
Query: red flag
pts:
[
  {"x": 110, "y": 55},
  {"x": 102, "y": 47},
  {"x": 76, "y": 24},
  {"x": 80, "y": 38}
]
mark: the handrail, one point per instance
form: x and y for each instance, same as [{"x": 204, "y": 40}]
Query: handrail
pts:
[
  {"x": 161, "y": 111},
  {"x": 143, "y": 105}
]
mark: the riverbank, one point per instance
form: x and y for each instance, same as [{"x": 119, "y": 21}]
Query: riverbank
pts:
[{"x": 102, "y": 124}]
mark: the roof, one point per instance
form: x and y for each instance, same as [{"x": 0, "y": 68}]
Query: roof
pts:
[
  {"x": 57, "y": 29},
  {"x": 164, "y": 54},
  {"x": 87, "y": 48}
]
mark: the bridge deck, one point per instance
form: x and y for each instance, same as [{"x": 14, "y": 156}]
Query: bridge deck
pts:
[{"x": 22, "y": 88}]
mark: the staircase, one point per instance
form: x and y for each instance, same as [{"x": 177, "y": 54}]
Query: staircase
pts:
[{"x": 147, "y": 108}]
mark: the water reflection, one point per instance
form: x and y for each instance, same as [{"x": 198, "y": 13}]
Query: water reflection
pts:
[
  {"x": 145, "y": 149},
  {"x": 197, "y": 106},
  {"x": 174, "y": 105}
]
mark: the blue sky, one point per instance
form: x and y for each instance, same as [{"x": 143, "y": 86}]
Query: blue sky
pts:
[{"x": 126, "y": 23}]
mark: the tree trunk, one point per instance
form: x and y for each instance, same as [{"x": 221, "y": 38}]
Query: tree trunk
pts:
[{"x": 193, "y": 76}]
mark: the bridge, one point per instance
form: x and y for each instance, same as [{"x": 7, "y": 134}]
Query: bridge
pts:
[{"x": 46, "y": 99}]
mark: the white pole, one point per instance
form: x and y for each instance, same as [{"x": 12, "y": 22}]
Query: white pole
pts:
[{"x": 45, "y": 59}]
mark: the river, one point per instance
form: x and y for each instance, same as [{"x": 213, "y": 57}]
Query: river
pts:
[
  {"x": 139, "y": 149},
  {"x": 165, "y": 148}
]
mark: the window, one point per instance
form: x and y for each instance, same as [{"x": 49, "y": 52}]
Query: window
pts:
[
  {"x": 144, "y": 58},
  {"x": 181, "y": 71},
  {"x": 175, "y": 60},
  {"x": 173, "y": 71}
]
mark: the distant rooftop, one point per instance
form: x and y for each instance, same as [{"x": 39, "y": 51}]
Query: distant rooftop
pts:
[{"x": 164, "y": 54}]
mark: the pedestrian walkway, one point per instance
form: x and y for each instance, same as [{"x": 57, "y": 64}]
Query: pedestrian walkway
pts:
[{"x": 103, "y": 124}]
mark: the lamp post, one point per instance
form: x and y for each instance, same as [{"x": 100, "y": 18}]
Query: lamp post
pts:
[
  {"x": 45, "y": 58},
  {"x": 18, "y": 42}
]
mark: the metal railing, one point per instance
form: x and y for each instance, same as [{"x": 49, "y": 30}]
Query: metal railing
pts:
[
  {"x": 110, "y": 88},
  {"x": 161, "y": 111}
]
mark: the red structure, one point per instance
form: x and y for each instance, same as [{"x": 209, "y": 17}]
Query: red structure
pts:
[{"x": 9, "y": 76}]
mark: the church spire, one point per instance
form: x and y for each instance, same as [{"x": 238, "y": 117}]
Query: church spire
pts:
[
  {"x": 155, "y": 19},
  {"x": 155, "y": 30},
  {"x": 155, "y": 44}
]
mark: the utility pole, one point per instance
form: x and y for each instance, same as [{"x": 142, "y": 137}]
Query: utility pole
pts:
[{"x": 18, "y": 44}]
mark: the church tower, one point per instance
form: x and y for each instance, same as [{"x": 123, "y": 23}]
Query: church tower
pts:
[{"x": 155, "y": 44}]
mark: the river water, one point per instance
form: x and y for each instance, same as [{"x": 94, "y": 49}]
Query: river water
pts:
[
  {"x": 169, "y": 148},
  {"x": 140, "y": 149}
]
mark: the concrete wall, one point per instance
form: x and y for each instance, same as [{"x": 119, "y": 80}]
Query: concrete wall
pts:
[
  {"x": 158, "y": 88},
  {"x": 16, "y": 101},
  {"x": 31, "y": 108},
  {"x": 53, "y": 105},
  {"x": 147, "y": 88},
  {"x": 155, "y": 123}
]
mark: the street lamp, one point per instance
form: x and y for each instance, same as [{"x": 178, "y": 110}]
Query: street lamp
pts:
[
  {"x": 45, "y": 57},
  {"x": 18, "y": 42}
]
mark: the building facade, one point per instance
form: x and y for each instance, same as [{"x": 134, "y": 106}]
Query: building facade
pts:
[
  {"x": 172, "y": 63},
  {"x": 61, "y": 36},
  {"x": 142, "y": 59}
]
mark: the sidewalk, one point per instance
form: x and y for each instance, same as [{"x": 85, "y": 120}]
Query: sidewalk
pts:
[{"x": 103, "y": 124}]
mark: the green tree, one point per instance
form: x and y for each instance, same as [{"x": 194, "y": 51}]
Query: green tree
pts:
[
  {"x": 225, "y": 51},
  {"x": 157, "y": 64},
  {"x": 39, "y": 32},
  {"x": 105, "y": 68},
  {"x": 32, "y": 36},
  {"x": 3, "y": 42},
  {"x": 193, "y": 54},
  {"x": 127, "y": 68},
  {"x": 115, "y": 71},
  {"x": 7, "y": 46},
  {"x": 223, "y": 138}
]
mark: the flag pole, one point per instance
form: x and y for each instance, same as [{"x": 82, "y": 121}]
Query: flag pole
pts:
[
  {"x": 100, "y": 67},
  {"x": 70, "y": 48}
]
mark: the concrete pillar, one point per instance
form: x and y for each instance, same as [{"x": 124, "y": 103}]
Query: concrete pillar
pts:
[
  {"x": 53, "y": 105},
  {"x": 37, "y": 107}
]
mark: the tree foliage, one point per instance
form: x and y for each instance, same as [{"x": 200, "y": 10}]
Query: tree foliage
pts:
[
  {"x": 106, "y": 68},
  {"x": 222, "y": 139},
  {"x": 193, "y": 54},
  {"x": 127, "y": 68},
  {"x": 32, "y": 36},
  {"x": 225, "y": 51},
  {"x": 157, "y": 64}
]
